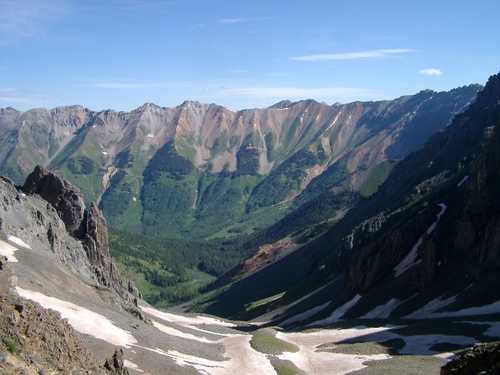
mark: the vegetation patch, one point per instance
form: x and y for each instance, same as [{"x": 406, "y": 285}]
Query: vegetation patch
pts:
[
  {"x": 408, "y": 365},
  {"x": 264, "y": 301},
  {"x": 285, "y": 367},
  {"x": 171, "y": 271},
  {"x": 390, "y": 347},
  {"x": 265, "y": 341},
  {"x": 10, "y": 345},
  {"x": 377, "y": 177}
]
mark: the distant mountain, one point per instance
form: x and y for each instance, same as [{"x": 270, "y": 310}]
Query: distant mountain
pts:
[
  {"x": 199, "y": 170},
  {"x": 426, "y": 245}
]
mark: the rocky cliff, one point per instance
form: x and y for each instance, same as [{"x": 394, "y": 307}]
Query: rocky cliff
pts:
[{"x": 66, "y": 215}]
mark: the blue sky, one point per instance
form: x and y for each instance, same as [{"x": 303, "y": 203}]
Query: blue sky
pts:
[{"x": 121, "y": 53}]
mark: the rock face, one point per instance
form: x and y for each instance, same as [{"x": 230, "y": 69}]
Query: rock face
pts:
[
  {"x": 115, "y": 364},
  {"x": 483, "y": 359},
  {"x": 436, "y": 216},
  {"x": 34, "y": 340},
  {"x": 88, "y": 226},
  {"x": 85, "y": 224},
  {"x": 63, "y": 196}
]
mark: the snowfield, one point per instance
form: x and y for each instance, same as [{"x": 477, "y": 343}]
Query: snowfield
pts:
[
  {"x": 19, "y": 242},
  {"x": 383, "y": 311},
  {"x": 338, "y": 313},
  {"x": 82, "y": 320},
  {"x": 325, "y": 363},
  {"x": 7, "y": 250},
  {"x": 411, "y": 258}
]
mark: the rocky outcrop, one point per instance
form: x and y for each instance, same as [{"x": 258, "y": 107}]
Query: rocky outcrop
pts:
[
  {"x": 85, "y": 224},
  {"x": 435, "y": 217},
  {"x": 63, "y": 196},
  {"x": 483, "y": 359},
  {"x": 88, "y": 226},
  {"x": 34, "y": 340},
  {"x": 115, "y": 364}
]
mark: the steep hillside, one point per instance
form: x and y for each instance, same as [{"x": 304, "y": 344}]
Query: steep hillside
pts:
[
  {"x": 398, "y": 253},
  {"x": 200, "y": 170},
  {"x": 64, "y": 310}
]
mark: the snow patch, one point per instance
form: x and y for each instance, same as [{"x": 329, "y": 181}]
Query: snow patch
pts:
[
  {"x": 428, "y": 310},
  {"x": 104, "y": 153},
  {"x": 185, "y": 320},
  {"x": 463, "y": 181},
  {"x": 338, "y": 313},
  {"x": 177, "y": 333},
  {"x": 7, "y": 250},
  {"x": 316, "y": 362},
  {"x": 82, "y": 320},
  {"x": 240, "y": 358},
  {"x": 305, "y": 315},
  {"x": 421, "y": 344},
  {"x": 383, "y": 311},
  {"x": 18, "y": 242},
  {"x": 493, "y": 329},
  {"x": 132, "y": 366},
  {"x": 410, "y": 259}
]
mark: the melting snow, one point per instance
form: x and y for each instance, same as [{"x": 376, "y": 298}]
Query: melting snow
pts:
[
  {"x": 18, "y": 242},
  {"x": 422, "y": 344},
  {"x": 315, "y": 362},
  {"x": 185, "y": 320},
  {"x": 177, "y": 333},
  {"x": 492, "y": 331},
  {"x": 305, "y": 315},
  {"x": 338, "y": 313},
  {"x": 7, "y": 250},
  {"x": 463, "y": 181},
  {"x": 240, "y": 358},
  {"x": 383, "y": 311},
  {"x": 410, "y": 260},
  {"x": 427, "y": 310},
  {"x": 132, "y": 366},
  {"x": 81, "y": 319}
]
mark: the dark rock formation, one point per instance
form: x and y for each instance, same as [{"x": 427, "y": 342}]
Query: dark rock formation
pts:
[
  {"x": 63, "y": 196},
  {"x": 35, "y": 339},
  {"x": 483, "y": 359},
  {"x": 87, "y": 225},
  {"x": 115, "y": 364}
]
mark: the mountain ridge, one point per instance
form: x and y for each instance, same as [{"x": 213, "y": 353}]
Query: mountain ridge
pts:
[{"x": 277, "y": 105}]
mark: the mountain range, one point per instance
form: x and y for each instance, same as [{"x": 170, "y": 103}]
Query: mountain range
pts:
[
  {"x": 203, "y": 171},
  {"x": 368, "y": 235}
]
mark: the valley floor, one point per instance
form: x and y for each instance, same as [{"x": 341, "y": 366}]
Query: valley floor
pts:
[{"x": 195, "y": 344}]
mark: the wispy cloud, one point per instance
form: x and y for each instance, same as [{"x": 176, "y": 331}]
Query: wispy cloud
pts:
[
  {"x": 24, "y": 99},
  {"x": 235, "y": 20},
  {"x": 125, "y": 84},
  {"x": 298, "y": 92},
  {"x": 432, "y": 72},
  {"x": 359, "y": 55},
  {"x": 25, "y": 18}
]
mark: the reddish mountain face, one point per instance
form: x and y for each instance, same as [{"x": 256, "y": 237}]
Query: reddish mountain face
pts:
[{"x": 192, "y": 170}]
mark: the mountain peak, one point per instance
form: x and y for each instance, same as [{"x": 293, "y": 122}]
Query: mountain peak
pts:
[
  {"x": 148, "y": 106},
  {"x": 282, "y": 104}
]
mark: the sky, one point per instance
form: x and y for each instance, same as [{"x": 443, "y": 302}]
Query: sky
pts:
[{"x": 119, "y": 54}]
